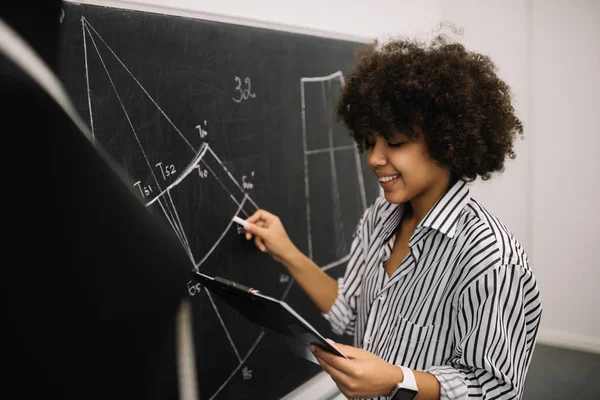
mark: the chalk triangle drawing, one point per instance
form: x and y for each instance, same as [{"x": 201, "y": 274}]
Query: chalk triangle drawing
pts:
[{"x": 114, "y": 92}]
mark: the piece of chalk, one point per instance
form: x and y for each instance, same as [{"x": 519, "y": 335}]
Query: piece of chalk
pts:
[{"x": 240, "y": 221}]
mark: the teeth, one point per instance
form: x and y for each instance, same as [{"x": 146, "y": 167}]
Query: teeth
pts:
[{"x": 388, "y": 178}]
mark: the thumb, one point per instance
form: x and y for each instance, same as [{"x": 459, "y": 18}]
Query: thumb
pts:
[{"x": 348, "y": 351}]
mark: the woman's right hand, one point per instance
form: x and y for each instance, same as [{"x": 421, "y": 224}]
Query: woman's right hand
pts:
[{"x": 270, "y": 235}]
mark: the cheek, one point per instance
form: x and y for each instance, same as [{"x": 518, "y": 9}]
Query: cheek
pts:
[
  {"x": 399, "y": 161},
  {"x": 416, "y": 170},
  {"x": 406, "y": 164}
]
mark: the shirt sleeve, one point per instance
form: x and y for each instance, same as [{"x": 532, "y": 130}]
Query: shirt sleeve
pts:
[
  {"x": 498, "y": 320},
  {"x": 342, "y": 315}
]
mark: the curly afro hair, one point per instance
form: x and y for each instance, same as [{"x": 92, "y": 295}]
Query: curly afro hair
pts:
[{"x": 453, "y": 95}]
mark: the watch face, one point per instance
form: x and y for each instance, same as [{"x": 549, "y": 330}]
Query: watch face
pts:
[{"x": 403, "y": 394}]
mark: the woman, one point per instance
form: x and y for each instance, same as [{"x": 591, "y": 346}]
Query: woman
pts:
[{"x": 438, "y": 293}]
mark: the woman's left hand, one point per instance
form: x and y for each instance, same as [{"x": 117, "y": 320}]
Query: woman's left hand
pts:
[{"x": 363, "y": 375}]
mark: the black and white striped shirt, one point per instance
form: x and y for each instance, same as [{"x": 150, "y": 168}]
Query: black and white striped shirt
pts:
[{"x": 463, "y": 305}]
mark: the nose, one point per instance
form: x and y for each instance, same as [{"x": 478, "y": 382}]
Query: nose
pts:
[{"x": 376, "y": 156}]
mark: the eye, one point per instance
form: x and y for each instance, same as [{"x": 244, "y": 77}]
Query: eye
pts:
[{"x": 397, "y": 144}]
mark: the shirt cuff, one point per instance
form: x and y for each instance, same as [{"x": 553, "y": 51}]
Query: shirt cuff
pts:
[
  {"x": 340, "y": 315},
  {"x": 452, "y": 382}
]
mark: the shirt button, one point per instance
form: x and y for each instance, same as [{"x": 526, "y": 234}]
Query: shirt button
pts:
[
  {"x": 368, "y": 339},
  {"x": 382, "y": 297}
]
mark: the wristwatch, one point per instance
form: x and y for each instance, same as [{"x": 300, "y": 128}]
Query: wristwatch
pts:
[{"x": 407, "y": 389}]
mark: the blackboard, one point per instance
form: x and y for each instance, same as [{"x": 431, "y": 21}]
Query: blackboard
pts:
[{"x": 212, "y": 120}]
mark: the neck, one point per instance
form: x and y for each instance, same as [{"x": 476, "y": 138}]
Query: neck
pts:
[{"x": 423, "y": 203}]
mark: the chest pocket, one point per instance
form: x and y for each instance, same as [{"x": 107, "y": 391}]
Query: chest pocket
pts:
[{"x": 413, "y": 345}]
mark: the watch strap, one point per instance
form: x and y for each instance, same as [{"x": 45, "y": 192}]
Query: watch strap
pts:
[
  {"x": 407, "y": 389},
  {"x": 409, "y": 381}
]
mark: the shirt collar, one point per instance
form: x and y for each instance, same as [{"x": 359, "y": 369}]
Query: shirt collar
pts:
[{"x": 444, "y": 215}]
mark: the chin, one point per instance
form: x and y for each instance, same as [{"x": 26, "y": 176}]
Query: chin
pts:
[{"x": 395, "y": 198}]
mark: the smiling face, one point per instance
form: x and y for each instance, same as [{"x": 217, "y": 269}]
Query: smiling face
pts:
[{"x": 405, "y": 170}]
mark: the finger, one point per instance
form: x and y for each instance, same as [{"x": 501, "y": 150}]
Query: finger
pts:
[
  {"x": 326, "y": 356},
  {"x": 336, "y": 375},
  {"x": 260, "y": 215},
  {"x": 348, "y": 351},
  {"x": 254, "y": 217},
  {"x": 248, "y": 228},
  {"x": 340, "y": 378},
  {"x": 260, "y": 243},
  {"x": 337, "y": 362},
  {"x": 256, "y": 230}
]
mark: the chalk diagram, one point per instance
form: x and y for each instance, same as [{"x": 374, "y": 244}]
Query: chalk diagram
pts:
[
  {"x": 202, "y": 184},
  {"x": 328, "y": 151}
]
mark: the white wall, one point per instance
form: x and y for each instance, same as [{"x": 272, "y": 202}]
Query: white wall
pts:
[
  {"x": 549, "y": 54},
  {"x": 486, "y": 30},
  {"x": 566, "y": 167}
]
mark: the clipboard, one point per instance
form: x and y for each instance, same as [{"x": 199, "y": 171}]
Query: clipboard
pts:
[{"x": 275, "y": 316}]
